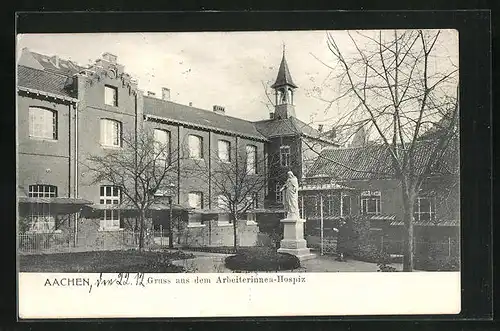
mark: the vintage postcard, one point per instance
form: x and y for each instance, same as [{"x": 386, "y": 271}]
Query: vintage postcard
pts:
[{"x": 224, "y": 174}]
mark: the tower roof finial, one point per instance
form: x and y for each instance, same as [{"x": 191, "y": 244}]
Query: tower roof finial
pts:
[{"x": 284, "y": 77}]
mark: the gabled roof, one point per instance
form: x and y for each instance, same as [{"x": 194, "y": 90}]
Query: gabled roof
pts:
[
  {"x": 374, "y": 161},
  {"x": 290, "y": 126},
  {"x": 43, "y": 81},
  {"x": 196, "y": 117},
  {"x": 284, "y": 77}
]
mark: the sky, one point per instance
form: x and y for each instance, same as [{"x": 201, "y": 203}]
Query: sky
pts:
[{"x": 208, "y": 68}]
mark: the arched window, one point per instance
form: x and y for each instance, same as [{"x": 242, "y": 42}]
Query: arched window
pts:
[
  {"x": 224, "y": 147},
  {"x": 279, "y": 193},
  {"x": 195, "y": 147},
  {"x": 285, "y": 155},
  {"x": 111, "y": 133},
  {"x": 251, "y": 159},
  {"x": 42, "y": 123},
  {"x": 162, "y": 145},
  {"x": 283, "y": 97}
]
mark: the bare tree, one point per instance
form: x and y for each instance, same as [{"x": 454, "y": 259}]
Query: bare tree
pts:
[
  {"x": 143, "y": 167},
  {"x": 237, "y": 181},
  {"x": 402, "y": 86}
]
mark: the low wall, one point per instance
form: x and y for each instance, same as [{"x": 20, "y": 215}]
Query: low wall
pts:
[{"x": 213, "y": 234}]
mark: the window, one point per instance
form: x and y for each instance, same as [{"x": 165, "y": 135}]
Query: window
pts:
[
  {"x": 279, "y": 193},
  {"x": 251, "y": 159},
  {"x": 370, "y": 202},
  {"x": 424, "y": 209},
  {"x": 331, "y": 205},
  {"x": 346, "y": 205},
  {"x": 110, "y": 195},
  {"x": 111, "y": 133},
  {"x": 42, "y": 191},
  {"x": 253, "y": 201},
  {"x": 222, "y": 202},
  {"x": 224, "y": 150},
  {"x": 195, "y": 200},
  {"x": 251, "y": 217},
  {"x": 312, "y": 204},
  {"x": 162, "y": 145},
  {"x": 195, "y": 147},
  {"x": 42, "y": 123},
  {"x": 285, "y": 156},
  {"x": 41, "y": 219},
  {"x": 223, "y": 205},
  {"x": 111, "y": 96}
]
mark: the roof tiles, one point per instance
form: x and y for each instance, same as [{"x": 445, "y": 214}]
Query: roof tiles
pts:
[
  {"x": 171, "y": 111},
  {"x": 43, "y": 81},
  {"x": 374, "y": 161}
]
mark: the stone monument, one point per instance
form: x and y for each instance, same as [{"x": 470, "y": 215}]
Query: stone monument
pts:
[{"x": 293, "y": 235}]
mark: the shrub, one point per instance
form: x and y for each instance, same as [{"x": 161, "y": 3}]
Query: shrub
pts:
[
  {"x": 262, "y": 259},
  {"x": 437, "y": 264},
  {"x": 354, "y": 241},
  {"x": 145, "y": 268},
  {"x": 214, "y": 249},
  {"x": 435, "y": 259},
  {"x": 385, "y": 268}
]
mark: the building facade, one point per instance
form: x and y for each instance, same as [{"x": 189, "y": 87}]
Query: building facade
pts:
[
  {"x": 364, "y": 174},
  {"x": 68, "y": 113}
]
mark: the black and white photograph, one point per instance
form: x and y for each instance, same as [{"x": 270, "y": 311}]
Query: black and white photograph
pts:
[{"x": 238, "y": 157}]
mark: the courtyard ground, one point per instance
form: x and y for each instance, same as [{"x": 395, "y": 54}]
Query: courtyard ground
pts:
[
  {"x": 214, "y": 262},
  {"x": 166, "y": 261}
]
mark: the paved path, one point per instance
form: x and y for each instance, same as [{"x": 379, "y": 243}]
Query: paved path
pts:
[{"x": 214, "y": 262}]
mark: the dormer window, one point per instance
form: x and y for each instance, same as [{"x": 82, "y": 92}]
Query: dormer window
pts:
[{"x": 111, "y": 96}]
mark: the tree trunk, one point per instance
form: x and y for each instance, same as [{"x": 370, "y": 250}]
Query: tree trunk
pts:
[
  {"x": 142, "y": 218},
  {"x": 408, "y": 251},
  {"x": 170, "y": 225},
  {"x": 235, "y": 232}
]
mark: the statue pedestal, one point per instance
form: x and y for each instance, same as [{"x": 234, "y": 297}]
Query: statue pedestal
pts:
[{"x": 293, "y": 239}]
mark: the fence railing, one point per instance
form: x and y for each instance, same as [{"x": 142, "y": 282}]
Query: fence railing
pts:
[
  {"x": 34, "y": 243},
  {"x": 445, "y": 248},
  {"x": 41, "y": 242}
]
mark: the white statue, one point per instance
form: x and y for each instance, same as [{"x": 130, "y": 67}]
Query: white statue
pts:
[{"x": 291, "y": 198}]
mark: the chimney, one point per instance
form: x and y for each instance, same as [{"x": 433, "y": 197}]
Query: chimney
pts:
[
  {"x": 151, "y": 94},
  {"x": 55, "y": 61},
  {"x": 320, "y": 127},
  {"x": 165, "y": 93},
  {"x": 271, "y": 115},
  {"x": 190, "y": 104},
  {"x": 219, "y": 109},
  {"x": 109, "y": 57}
]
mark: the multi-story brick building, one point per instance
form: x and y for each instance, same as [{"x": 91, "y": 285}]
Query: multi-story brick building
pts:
[{"x": 68, "y": 113}]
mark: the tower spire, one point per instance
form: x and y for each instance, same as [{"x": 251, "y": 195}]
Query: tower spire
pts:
[
  {"x": 284, "y": 77},
  {"x": 283, "y": 90}
]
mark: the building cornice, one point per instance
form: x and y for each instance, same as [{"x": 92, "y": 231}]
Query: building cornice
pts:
[
  {"x": 47, "y": 94},
  {"x": 203, "y": 127}
]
